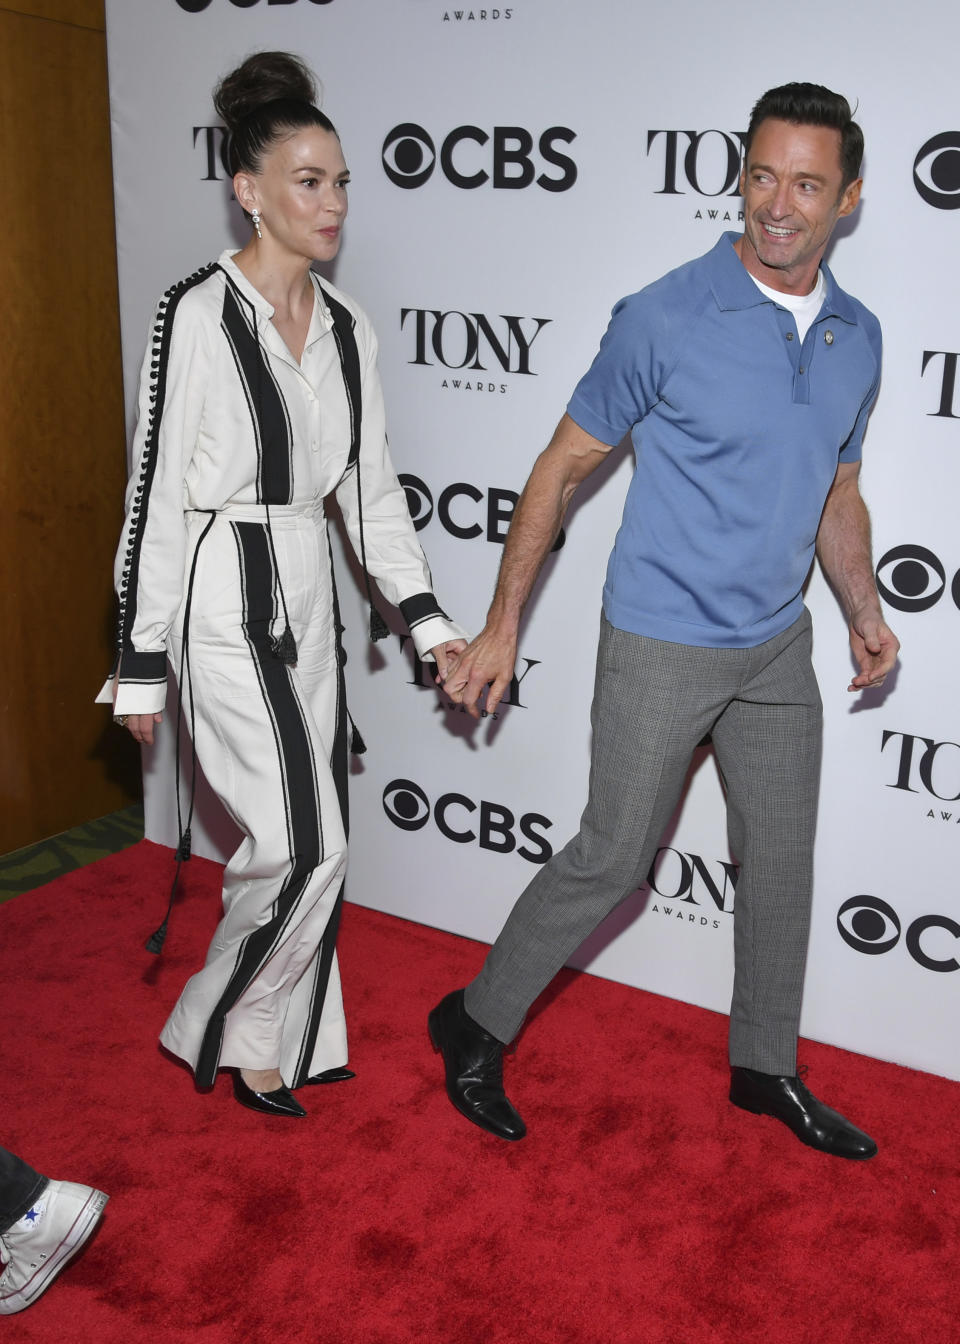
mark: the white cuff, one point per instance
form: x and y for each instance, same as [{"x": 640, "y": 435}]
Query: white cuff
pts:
[{"x": 433, "y": 631}]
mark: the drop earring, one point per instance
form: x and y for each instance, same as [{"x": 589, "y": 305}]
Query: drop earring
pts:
[{"x": 255, "y": 219}]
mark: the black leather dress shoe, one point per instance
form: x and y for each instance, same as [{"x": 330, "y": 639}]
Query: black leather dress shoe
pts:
[
  {"x": 330, "y": 1076},
  {"x": 787, "y": 1099},
  {"x": 279, "y": 1102},
  {"x": 474, "y": 1065}
]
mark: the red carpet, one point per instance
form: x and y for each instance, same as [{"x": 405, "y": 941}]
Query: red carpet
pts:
[{"x": 642, "y": 1207}]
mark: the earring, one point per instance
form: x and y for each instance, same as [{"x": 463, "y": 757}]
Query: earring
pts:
[{"x": 255, "y": 217}]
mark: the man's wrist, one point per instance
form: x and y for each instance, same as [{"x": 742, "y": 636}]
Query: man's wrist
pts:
[
  {"x": 865, "y": 612},
  {"x": 503, "y": 619}
]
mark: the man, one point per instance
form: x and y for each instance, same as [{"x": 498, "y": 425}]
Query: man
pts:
[
  {"x": 43, "y": 1223},
  {"x": 746, "y": 378}
]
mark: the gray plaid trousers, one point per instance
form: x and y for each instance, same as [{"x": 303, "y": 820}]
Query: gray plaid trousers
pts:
[{"x": 653, "y": 702}]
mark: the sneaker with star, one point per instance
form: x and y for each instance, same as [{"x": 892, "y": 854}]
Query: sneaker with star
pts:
[{"x": 38, "y": 1246}]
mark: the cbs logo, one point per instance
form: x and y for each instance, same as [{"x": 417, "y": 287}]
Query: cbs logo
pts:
[
  {"x": 936, "y": 171},
  {"x": 454, "y": 815},
  {"x": 496, "y": 509},
  {"x": 873, "y": 927},
  {"x": 410, "y": 156},
  {"x": 197, "y": 6},
  {"x": 912, "y": 578}
]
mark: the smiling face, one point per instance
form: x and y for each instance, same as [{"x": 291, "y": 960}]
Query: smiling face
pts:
[
  {"x": 301, "y": 193},
  {"x": 792, "y": 197}
]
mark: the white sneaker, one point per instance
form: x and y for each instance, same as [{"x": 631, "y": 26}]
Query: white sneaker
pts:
[{"x": 37, "y": 1247}]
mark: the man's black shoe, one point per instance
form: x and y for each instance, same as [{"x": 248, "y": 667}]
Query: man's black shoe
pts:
[
  {"x": 474, "y": 1065},
  {"x": 787, "y": 1099}
]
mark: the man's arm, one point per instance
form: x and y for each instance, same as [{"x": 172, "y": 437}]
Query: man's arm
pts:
[
  {"x": 843, "y": 545},
  {"x": 569, "y": 458}
]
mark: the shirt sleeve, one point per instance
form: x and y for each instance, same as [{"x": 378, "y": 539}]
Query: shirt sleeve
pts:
[
  {"x": 374, "y": 508},
  {"x": 622, "y": 383},
  {"x": 148, "y": 570}
]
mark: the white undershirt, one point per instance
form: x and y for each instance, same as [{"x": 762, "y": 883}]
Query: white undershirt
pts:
[{"x": 804, "y": 307}]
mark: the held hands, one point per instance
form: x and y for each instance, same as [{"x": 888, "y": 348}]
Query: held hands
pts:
[
  {"x": 875, "y": 648},
  {"x": 446, "y": 655},
  {"x": 488, "y": 660}
]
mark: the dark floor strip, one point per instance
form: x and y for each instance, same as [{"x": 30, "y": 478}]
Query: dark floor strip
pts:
[{"x": 31, "y": 867}]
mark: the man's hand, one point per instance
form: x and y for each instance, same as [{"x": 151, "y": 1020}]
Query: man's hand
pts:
[
  {"x": 488, "y": 660},
  {"x": 140, "y": 726},
  {"x": 875, "y": 648},
  {"x": 446, "y": 655}
]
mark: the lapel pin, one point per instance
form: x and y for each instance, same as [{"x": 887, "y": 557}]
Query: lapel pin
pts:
[{"x": 828, "y": 337}]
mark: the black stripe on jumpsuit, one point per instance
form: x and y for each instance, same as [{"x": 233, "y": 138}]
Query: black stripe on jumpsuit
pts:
[
  {"x": 338, "y": 768},
  {"x": 268, "y": 410},
  {"x": 298, "y": 778},
  {"x": 343, "y": 325}
]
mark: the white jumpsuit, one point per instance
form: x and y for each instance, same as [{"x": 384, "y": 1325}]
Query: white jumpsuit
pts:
[{"x": 236, "y": 448}]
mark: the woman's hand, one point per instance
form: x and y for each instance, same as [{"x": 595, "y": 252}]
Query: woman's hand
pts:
[
  {"x": 489, "y": 664},
  {"x": 444, "y": 653},
  {"x": 140, "y": 727}
]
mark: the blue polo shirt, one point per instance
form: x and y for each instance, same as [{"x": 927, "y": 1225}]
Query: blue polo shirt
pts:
[{"x": 738, "y": 429}]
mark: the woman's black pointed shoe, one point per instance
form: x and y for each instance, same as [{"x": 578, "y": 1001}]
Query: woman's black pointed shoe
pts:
[
  {"x": 279, "y": 1102},
  {"x": 331, "y": 1076}
]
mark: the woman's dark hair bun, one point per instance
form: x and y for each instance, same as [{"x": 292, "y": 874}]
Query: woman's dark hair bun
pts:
[
  {"x": 264, "y": 77},
  {"x": 270, "y": 95}
]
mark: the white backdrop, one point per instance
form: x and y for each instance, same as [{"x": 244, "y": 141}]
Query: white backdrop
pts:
[{"x": 516, "y": 170}]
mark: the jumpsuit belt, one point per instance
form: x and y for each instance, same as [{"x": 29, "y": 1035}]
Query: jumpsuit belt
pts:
[{"x": 273, "y": 515}]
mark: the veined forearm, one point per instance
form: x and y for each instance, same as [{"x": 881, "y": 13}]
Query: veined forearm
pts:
[
  {"x": 843, "y": 546},
  {"x": 568, "y": 459},
  {"x": 533, "y": 530}
]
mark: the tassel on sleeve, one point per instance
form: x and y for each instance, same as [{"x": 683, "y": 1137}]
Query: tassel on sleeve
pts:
[{"x": 378, "y": 626}]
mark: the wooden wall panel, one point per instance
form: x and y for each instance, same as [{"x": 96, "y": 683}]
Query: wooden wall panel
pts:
[
  {"x": 84, "y": 13},
  {"x": 61, "y": 431}
]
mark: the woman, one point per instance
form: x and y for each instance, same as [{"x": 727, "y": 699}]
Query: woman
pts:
[{"x": 259, "y": 396}]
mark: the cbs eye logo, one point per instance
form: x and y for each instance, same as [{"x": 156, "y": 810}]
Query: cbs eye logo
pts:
[
  {"x": 936, "y": 171},
  {"x": 409, "y": 155},
  {"x": 406, "y": 804},
  {"x": 873, "y": 927},
  {"x": 911, "y": 578}
]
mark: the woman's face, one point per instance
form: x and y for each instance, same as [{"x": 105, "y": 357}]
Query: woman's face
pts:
[{"x": 301, "y": 193}]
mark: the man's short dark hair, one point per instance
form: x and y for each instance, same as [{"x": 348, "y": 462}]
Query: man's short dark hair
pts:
[{"x": 812, "y": 105}]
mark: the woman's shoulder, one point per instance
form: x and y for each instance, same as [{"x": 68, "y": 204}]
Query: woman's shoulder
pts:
[{"x": 195, "y": 296}]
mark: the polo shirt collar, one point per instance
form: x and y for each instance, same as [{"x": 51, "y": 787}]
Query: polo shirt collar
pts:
[{"x": 733, "y": 286}]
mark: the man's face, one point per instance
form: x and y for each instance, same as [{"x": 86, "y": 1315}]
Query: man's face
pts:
[{"x": 792, "y": 197}]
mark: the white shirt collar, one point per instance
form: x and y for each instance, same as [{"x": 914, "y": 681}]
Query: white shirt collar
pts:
[{"x": 321, "y": 320}]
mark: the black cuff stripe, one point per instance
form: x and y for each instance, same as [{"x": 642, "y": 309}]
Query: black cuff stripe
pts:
[
  {"x": 146, "y": 667},
  {"x": 421, "y": 607}
]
